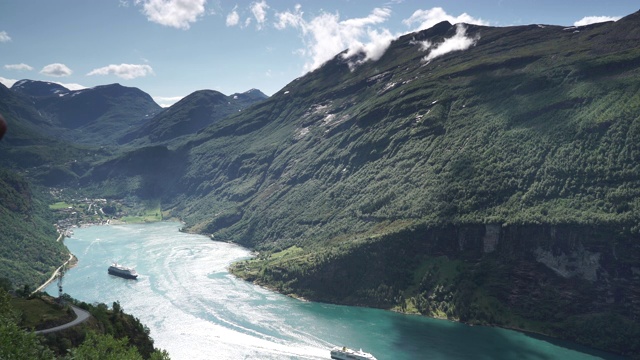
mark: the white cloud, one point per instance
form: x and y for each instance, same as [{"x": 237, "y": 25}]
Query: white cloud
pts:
[
  {"x": 56, "y": 70},
  {"x": 4, "y": 37},
  {"x": 458, "y": 42},
  {"x": 259, "y": 10},
  {"x": 428, "y": 18},
  {"x": 124, "y": 71},
  {"x": 325, "y": 35},
  {"x": 588, "y": 20},
  {"x": 373, "y": 50},
  {"x": 71, "y": 86},
  {"x": 166, "y": 101},
  {"x": 7, "y": 82},
  {"x": 175, "y": 13},
  {"x": 18, "y": 67},
  {"x": 233, "y": 18}
]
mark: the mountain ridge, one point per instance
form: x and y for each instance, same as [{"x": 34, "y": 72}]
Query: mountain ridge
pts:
[
  {"x": 91, "y": 116},
  {"x": 191, "y": 114},
  {"x": 493, "y": 185}
]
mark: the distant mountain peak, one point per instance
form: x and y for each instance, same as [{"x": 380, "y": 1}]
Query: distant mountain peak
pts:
[
  {"x": 39, "y": 88},
  {"x": 251, "y": 93}
]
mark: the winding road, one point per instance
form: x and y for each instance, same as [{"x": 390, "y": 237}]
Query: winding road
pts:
[
  {"x": 81, "y": 316},
  {"x": 55, "y": 273}
]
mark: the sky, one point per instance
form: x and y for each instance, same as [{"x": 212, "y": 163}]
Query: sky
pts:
[{"x": 171, "y": 48}]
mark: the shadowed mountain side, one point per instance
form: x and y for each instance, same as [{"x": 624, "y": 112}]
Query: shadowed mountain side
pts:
[
  {"x": 29, "y": 147},
  {"x": 196, "y": 111},
  {"x": 147, "y": 172},
  {"x": 97, "y": 115}
]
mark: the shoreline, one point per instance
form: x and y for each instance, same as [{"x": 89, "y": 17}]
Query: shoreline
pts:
[{"x": 72, "y": 259}]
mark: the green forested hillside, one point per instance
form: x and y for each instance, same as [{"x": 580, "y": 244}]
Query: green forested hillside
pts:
[
  {"x": 29, "y": 252},
  {"x": 542, "y": 132},
  {"x": 524, "y": 148},
  {"x": 107, "y": 334},
  {"x": 492, "y": 185}
]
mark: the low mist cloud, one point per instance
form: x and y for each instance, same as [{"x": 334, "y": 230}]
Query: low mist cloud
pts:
[
  {"x": 588, "y": 20},
  {"x": 326, "y": 35},
  {"x": 458, "y": 42},
  {"x": 425, "y": 19}
]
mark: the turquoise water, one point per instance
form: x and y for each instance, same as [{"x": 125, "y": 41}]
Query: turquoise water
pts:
[{"x": 196, "y": 310}]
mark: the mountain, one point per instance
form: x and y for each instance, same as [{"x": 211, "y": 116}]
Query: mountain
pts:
[
  {"x": 39, "y": 88},
  {"x": 194, "y": 112},
  {"x": 494, "y": 185},
  {"x": 481, "y": 174},
  {"x": 28, "y": 251},
  {"x": 97, "y": 115},
  {"x": 249, "y": 97},
  {"x": 25, "y": 122}
]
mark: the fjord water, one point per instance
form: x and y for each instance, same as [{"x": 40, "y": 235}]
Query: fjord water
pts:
[{"x": 196, "y": 310}]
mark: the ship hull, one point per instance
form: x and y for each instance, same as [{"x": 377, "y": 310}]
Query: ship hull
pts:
[{"x": 123, "y": 275}]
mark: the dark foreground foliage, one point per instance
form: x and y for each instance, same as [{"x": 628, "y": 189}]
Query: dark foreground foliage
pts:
[{"x": 109, "y": 334}]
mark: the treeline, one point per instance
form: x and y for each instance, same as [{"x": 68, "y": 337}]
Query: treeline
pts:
[
  {"x": 109, "y": 334},
  {"x": 446, "y": 272}
]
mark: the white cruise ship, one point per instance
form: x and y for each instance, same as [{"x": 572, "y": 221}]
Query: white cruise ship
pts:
[
  {"x": 123, "y": 271},
  {"x": 344, "y": 353}
]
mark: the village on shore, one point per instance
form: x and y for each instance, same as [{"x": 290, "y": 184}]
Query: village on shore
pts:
[{"x": 72, "y": 212}]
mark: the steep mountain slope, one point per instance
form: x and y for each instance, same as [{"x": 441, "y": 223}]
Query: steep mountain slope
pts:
[
  {"x": 28, "y": 251},
  {"x": 29, "y": 158},
  {"x": 497, "y": 184},
  {"x": 97, "y": 115},
  {"x": 469, "y": 137},
  {"x": 196, "y": 111},
  {"x": 29, "y": 147}
]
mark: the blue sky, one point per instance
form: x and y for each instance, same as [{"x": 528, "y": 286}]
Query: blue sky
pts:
[{"x": 170, "y": 48}]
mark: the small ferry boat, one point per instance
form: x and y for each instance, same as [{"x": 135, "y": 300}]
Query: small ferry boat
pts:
[
  {"x": 344, "y": 353},
  {"x": 123, "y": 271}
]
